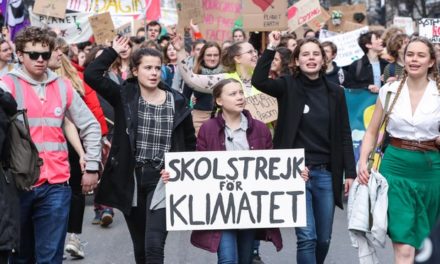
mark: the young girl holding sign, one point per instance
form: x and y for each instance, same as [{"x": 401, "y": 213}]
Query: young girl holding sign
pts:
[
  {"x": 232, "y": 128},
  {"x": 312, "y": 115}
]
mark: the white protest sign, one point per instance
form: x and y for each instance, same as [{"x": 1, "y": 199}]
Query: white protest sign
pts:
[
  {"x": 120, "y": 7},
  {"x": 405, "y": 23},
  {"x": 235, "y": 189},
  {"x": 74, "y": 28},
  {"x": 324, "y": 33},
  {"x": 348, "y": 47},
  {"x": 168, "y": 12},
  {"x": 430, "y": 28}
]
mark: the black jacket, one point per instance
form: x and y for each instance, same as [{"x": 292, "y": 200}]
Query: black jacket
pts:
[
  {"x": 360, "y": 73},
  {"x": 117, "y": 182},
  {"x": 9, "y": 203},
  {"x": 291, "y": 97},
  {"x": 337, "y": 75}
]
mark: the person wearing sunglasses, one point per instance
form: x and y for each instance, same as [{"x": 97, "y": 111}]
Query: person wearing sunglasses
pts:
[{"x": 48, "y": 99}]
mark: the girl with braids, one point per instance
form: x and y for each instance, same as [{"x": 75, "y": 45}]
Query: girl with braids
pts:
[
  {"x": 411, "y": 162},
  {"x": 232, "y": 128},
  {"x": 312, "y": 114}
]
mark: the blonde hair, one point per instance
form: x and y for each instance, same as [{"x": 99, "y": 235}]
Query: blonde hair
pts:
[{"x": 67, "y": 70}]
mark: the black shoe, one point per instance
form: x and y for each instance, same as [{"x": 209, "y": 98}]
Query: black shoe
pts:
[{"x": 256, "y": 259}]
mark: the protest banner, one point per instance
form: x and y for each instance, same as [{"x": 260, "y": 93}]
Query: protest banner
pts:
[
  {"x": 348, "y": 47},
  {"x": 235, "y": 189},
  {"x": 219, "y": 19},
  {"x": 360, "y": 105},
  {"x": 302, "y": 12},
  {"x": 318, "y": 22},
  {"x": 405, "y": 23},
  {"x": 264, "y": 15},
  {"x": 262, "y": 107},
  {"x": 54, "y": 8},
  {"x": 74, "y": 28},
  {"x": 103, "y": 28},
  {"x": 430, "y": 28},
  {"x": 187, "y": 10},
  {"x": 120, "y": 7}
]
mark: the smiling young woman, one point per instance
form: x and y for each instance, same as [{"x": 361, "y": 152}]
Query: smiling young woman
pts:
[
  {"x": 312, "y": 115},
  {"x": 411, "y": 163}
]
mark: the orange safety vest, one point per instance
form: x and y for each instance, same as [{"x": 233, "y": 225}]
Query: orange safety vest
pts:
[{"x": 46, "y": 118}]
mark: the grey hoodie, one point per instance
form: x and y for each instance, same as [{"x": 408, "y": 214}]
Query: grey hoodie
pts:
[{"x": 78, "y": 113}]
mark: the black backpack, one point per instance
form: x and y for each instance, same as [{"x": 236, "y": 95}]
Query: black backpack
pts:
[{"x": 24, "y": 161}]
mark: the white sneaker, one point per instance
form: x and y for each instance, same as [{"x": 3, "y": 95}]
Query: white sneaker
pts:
[{"x": 75, "y": 247}]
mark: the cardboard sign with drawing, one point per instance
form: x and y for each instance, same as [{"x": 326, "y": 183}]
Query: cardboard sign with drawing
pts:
[{"x": 264, "y": 15}]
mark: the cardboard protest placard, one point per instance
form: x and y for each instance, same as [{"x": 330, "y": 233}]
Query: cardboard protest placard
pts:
[
  {"x": 137, "y": 24},
  {"x": 318, "y": 22},
  {"x": 302, "y": 12},
  {"x": 405, "y": 23},
  {"x": 349, "y": 11},
  {"x": 125, "y": 30},
  {"x": 348, "y": 47},
  {"x": 219, "y": 19},
  {"x": 187, "y": 10},
  {"x": 235, "y": 189},
  {"x": 74, "y": 28},
  {"x": 103, "y": 28},
  {"x": 345, "y": 26},
  {"x": 262, "y": 107},
  {"x": 430, "y": 28},
  {"x": 54, "y": 8},
  {"x": 264, "y": 15},
  {"x": 119, "y": 7}
]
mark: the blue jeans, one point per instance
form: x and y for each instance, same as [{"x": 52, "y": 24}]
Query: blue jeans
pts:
[
  {"x": 236, "y": 246},
  {"x": 313, "y": 241},
  {"x": 44, "y": 212}
]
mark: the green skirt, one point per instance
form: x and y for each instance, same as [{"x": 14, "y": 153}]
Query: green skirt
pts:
[{"x": 413, "y": 195}]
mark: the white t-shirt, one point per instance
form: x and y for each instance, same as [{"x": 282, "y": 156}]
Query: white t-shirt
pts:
[{"x": 424, "y": 124}]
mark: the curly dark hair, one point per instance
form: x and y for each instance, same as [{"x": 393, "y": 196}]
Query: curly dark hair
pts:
[{"x": 34, "y": 35}]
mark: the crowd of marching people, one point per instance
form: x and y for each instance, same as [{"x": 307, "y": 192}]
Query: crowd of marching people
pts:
[{"x": 102, "y": 118}]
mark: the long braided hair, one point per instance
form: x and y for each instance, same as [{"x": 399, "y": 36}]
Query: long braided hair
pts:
[
  {"x": 433, "y": 70},
  {"x": 217, "y": 92}
]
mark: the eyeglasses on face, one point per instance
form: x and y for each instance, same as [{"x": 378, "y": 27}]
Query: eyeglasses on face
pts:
[
  {"x": 251, "y": 52},
  {"x": 33, "y": 55}
]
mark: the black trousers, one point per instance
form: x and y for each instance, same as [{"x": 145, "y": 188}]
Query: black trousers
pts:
[
  {"x": 78, "y": 201},
  {"x": 4, "y": 256},
  {"x": 147, "y": 229}
]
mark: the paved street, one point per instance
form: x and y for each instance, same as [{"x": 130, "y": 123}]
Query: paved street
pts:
[{"x": 113, "y": 245}]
